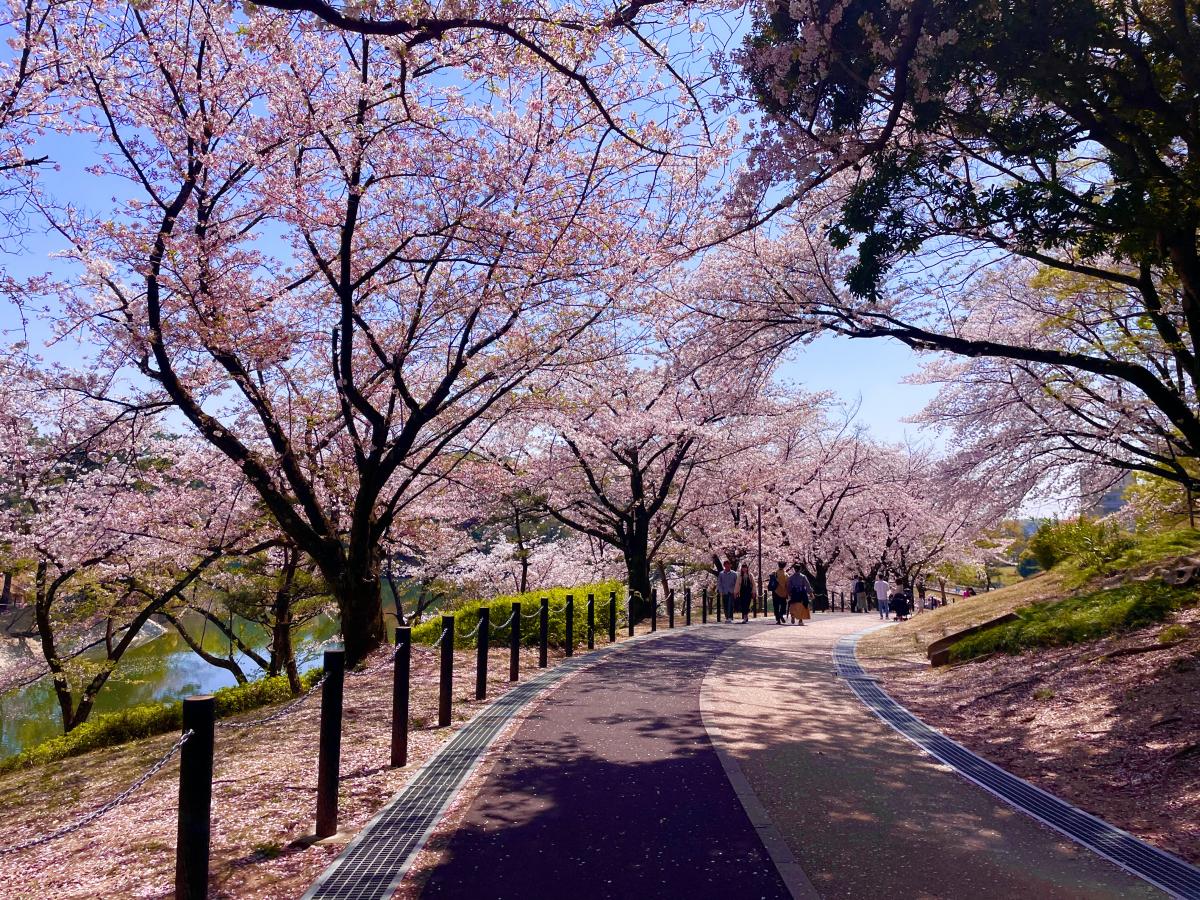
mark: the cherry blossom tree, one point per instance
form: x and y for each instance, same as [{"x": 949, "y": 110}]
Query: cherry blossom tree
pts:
[
  {"x": 921, "y": 146},
  {"x": 115, "y": 520},
  {"x": 341, "y": 269},
  {"x": 621, "y": 451}
]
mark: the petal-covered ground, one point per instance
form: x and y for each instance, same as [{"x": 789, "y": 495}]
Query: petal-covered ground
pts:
[
  {"x": 1115, "y": 732},
  {"x": 264, "y": 795}
]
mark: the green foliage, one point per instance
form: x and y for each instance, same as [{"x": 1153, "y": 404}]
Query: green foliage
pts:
[
  {"x": 466, "y": 614},
  {"x": 1077, "y": 619},
  {"x": 147, "y": 720},
  {"x": 1173, "y": 633},
  {"x": 1093, "y": 546}
]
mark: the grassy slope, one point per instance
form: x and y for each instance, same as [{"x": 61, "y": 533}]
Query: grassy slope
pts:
[{"x": 913, "y": 636}]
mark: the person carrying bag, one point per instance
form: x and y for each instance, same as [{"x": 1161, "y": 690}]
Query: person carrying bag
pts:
[{"x": 799, "y": 592}]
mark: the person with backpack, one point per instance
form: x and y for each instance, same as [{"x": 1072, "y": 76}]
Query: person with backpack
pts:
[{"x": 777, "y": 584}]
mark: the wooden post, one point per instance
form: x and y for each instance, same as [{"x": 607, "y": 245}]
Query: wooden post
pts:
[
  {"x": 329, "y": 756},
  {"x": 193, "y": 836},
  {"x": 671, "y": 608},
  {"x": 570, "y": 616},
  {"x": 446, "y": 681},
  {"x": 401, "y": 668},
  {"x": 629, "y": 615},
  {"x": 591, "y": 621},
  {"x": 654, "y": 609},
  {"x": 612, "y": 617},
  {"x": 543, "y": 632},
  {"x": 687, "y": 604},
  {"x": 514, "y": 644},
  {"x": 481, "y": 654}
]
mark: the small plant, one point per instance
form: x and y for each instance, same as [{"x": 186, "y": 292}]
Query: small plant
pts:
[
  {"x": 1043, "y": 693},
  {"x": 268, "y": 850},
  {"x": 1173, "y": 633}
]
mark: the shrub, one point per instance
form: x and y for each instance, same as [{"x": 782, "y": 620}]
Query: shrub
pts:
[
  {"x": 466, "y": 615},
  {"x": 1095, "y": 546},
  {"x": 1077, "y": 619},
  {"x": 136, "y": 722}
]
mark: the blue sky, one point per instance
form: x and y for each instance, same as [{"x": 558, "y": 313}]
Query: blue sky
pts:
[{"x": 867, "y": 372}]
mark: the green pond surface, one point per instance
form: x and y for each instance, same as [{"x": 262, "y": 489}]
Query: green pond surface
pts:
[{"x": 159, "y": 670}]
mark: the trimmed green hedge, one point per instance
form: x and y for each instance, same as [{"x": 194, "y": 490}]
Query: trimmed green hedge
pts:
[
  {"x": 1074, "y": 620},
  {"x": 136, "y": 722},
  {"x": 466, "y": 615}
]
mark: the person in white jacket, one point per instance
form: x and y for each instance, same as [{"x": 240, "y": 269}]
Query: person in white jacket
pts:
[{"x": 882, "y": 590}]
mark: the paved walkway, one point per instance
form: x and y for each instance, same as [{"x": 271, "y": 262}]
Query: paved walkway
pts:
[
  {"x": 613, "y": 790},
  {"x": 862, "y": 811},
  {"x": 728, "y": 762}
]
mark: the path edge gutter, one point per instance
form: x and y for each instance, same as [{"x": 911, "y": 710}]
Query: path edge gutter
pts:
[{"x": 854, "y": 678}]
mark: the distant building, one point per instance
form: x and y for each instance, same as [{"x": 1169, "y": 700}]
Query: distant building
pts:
[{"x": 1108, "y": 502}]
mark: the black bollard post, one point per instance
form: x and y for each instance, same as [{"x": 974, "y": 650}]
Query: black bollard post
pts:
[
  {"x": 687, "y": 605},
  {"x": 704, "y": 605},
  {"x": 544, "y": 632},
  {"x": 195, "y": 799},
  {"x": 481, "y": 653},
  {"x": 446, "y": 681},
  {"x": 514, "y": 644},
  {"x": 329, "y": 756},
  {"x": 654, "y": 609},
  {"x": 401, "y": 666},
  {"x": 612, "y": 617},
  {"x": 718, "y": 604},
  {"x": 570, "y": 616},
  {"x": 629, "y": 616},
  {"x": 671, "y": 608},
  {"x": 591, "y": 614}
]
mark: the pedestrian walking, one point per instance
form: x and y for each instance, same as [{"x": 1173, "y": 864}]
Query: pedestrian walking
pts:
[
  {"x": 799, "y": 592},
  {"x": 744, "y": 591},
  {"x": 920, "y": 591},
  {"x": 777, "y": 585},
  {"x": 882, "y": 593},
  {"x": 858, "y": 596},
  {"x": 726, "y": 582}
]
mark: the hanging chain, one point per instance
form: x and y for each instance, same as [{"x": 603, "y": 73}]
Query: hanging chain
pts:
[
  {"x": 279, "y": 714},
  {"x": 107, "y": 807}
]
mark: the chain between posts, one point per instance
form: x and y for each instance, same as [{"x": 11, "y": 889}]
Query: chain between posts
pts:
[
  {"x": 278, "y": 714},
  {"x": 106, "y": 808},
  {"x": 511, "y": 616},
  {"x": 532, "y": 615},
  {"x": 433, "y": 648}
]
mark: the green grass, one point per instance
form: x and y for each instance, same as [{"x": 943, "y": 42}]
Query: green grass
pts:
[
  {"x": 1076, "y": 619},
  {"x": 1145, "y": 550},
  {"x": 144, "y": 721},
  {"x": 466, "y": 615}
]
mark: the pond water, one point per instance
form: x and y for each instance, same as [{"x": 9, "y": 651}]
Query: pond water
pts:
[{"x": 161, "y": 669}]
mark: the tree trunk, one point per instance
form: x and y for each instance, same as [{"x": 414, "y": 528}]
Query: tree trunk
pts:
[
  {"x": 361, "y": 611},
  {"x": 637, "y": 569},
  {"x": 6, "y": 593},
  {"x": 283, "y": 654}
]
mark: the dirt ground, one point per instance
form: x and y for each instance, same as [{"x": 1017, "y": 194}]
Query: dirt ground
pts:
[
  {"x": 1115, "y": 733},
  {"x": 264, "y": 794}
]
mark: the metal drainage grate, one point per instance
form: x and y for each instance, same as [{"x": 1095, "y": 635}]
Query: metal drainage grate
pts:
[
  {"x": 1161, "y": 869},
  {"x": 373, "y": 863}
]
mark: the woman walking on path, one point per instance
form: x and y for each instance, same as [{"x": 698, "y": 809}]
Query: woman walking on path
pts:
[
  {"x": 799, "y": 590},
  {"x": 744, "y": 591}
]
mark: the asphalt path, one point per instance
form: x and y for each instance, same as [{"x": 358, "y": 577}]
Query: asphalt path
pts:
[{"x": 612, "y": 789}]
